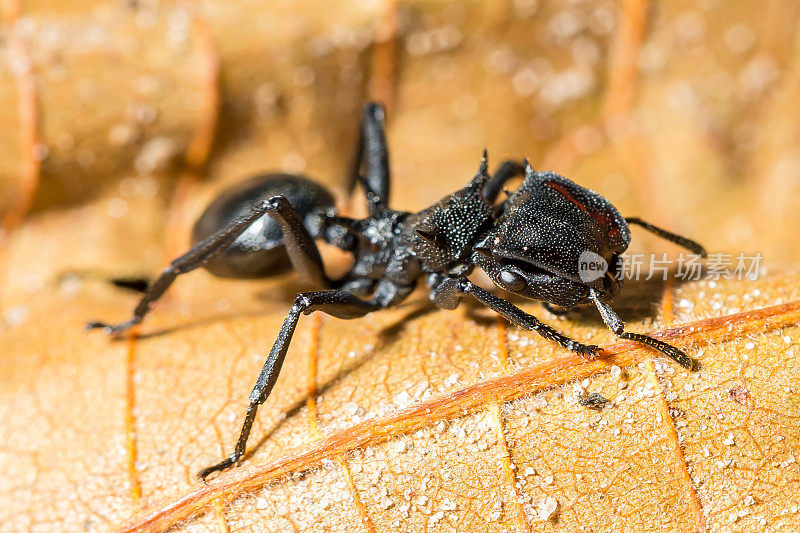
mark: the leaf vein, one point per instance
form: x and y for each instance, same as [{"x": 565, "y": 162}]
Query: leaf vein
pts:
[{"x": 469, "y": 399}]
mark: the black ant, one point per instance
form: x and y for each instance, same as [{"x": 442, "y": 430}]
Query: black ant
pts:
[{"x": 551, "y": 240}]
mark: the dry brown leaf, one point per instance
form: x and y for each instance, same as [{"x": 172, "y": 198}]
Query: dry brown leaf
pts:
[
  {"x": 100, "y": 432},
  {"x": 415, "y": 419}
]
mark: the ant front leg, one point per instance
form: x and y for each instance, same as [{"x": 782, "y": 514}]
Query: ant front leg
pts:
[
  {"x": 447, "y": 294},
  {"x": 300, "y": 246},
  {"x": 336, "y": 303},
  {"x": 616, "y": 325},
  {"x": 508, "y": 170}
]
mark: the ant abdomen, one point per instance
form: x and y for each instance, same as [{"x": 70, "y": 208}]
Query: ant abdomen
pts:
[{"x": 259, "y": 251}]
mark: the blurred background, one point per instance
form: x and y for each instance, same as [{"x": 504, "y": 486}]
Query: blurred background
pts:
[
  {"x": 681, "y": 112},
  {"x": 120, "y": 121}
]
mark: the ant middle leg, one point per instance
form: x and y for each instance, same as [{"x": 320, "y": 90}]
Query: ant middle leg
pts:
[
  {"x": 340, "y": 304},
  {"x": 371, "y": 151}
]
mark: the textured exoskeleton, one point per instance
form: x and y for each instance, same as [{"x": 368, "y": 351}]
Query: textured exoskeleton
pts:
[{"x": 551, "y": 240}]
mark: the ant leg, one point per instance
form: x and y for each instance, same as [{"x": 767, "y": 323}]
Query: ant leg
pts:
[
  {"x": 299, "y": 244},
  {"x": 689, "y": 244},
  {"x": 616, "y": 325},
  {"x": 194, "y": 258},
  {"x": 340, "y": 304},
  {"x": 507, "y": 170},
  {"x": 372, "y": 147},
  {"x": 448, "y": 293}
]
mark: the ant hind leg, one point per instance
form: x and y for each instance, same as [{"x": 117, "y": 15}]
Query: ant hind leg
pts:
[
  {"x": 194, "y": 258},
  {"x": 300, "y": 246}
]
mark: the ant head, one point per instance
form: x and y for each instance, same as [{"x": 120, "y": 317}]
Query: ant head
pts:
[
  {"x": 554, "y": 241},
  {"x": 525, "y": 278}
]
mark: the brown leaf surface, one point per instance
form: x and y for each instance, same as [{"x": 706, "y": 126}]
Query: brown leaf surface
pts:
[{"x": 411, "y": 419}]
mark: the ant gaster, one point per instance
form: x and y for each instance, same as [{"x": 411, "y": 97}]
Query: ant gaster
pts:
[{"x": 533, "y": 244}]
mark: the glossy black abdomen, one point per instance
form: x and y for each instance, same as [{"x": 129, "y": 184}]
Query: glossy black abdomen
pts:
[{"x": 259, "y": 251}]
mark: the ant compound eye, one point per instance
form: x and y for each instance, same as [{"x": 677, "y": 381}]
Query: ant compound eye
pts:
[{"x": 512, "y": 281}]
